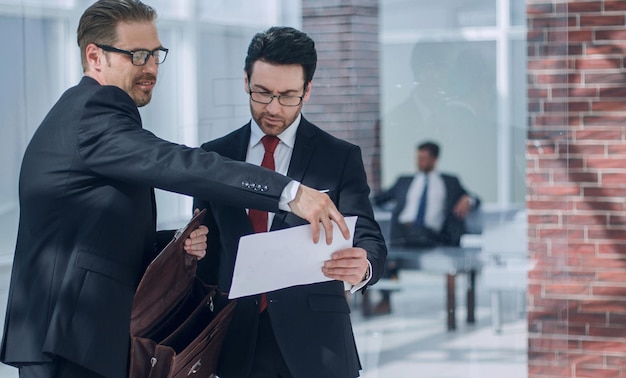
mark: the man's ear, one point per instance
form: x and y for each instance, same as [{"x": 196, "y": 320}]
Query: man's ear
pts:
[
  {"x": 307, "y": 93},
  {"x": 246, "y": 85},
  {"x": 94, "y": 56}
]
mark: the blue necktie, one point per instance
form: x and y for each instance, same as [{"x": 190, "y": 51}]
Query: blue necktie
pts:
[{"x": 421, "y": 210}]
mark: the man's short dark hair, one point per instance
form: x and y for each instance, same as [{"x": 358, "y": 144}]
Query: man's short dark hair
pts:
[
  {"x": 98, "y": 24},
  {"x": 283, "y": 45},
  {"x": 431, "y": 147}
]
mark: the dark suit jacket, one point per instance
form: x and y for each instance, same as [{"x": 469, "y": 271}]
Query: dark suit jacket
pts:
[
  {"x": 87, "y": 224},
  {"x": 311, "y": 322},
  {"x": 453, "y": 227}
]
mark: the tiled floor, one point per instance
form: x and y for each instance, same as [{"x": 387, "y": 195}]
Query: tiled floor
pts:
[{"x": 413, "y": 340}]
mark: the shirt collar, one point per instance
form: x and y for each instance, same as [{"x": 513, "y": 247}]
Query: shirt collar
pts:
[
  {"x": 422, "y": 174},
  {"x": 288, "y": 136}
]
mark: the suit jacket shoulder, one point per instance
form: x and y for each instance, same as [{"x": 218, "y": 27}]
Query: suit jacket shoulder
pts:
[{"x": 233, "y": 145}]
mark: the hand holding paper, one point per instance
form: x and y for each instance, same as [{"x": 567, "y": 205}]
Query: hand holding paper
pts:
[
  {"x": 274, "y": 260},
  {"x": 348, "y": 265}
]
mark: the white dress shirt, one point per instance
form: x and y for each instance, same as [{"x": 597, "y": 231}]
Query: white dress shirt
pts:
[
  {"x": 435, "y": 201},
  {"x": 282, "y": 154}
]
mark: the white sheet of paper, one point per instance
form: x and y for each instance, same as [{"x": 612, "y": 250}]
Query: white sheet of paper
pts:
[{"x": 274, "y": 260}]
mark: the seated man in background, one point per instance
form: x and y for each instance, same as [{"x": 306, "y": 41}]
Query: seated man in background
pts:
[{"x": 430, "y": 210}]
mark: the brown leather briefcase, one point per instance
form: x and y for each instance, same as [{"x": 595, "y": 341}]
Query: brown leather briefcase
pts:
[{"x": 178, "y": 323}]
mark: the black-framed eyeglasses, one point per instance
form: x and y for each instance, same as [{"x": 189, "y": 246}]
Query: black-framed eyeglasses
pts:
[
  {"x": 139, "y": 57},
  {"x": 284, "y": 100}
]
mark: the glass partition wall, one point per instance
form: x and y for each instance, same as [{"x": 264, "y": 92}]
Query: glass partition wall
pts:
[{"x": 452, "y": 72}]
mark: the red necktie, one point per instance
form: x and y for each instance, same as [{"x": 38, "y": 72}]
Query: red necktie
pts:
[{"x": 258, "y": 218}]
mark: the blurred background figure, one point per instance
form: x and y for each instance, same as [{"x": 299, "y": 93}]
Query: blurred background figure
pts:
[{"x": 430, "y": 210}]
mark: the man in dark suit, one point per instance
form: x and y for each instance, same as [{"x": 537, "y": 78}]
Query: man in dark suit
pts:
[
  {"x": 305, "y": 331},
  {"x": 430, "y": 210},
  {"x": 87, "y": 211}
]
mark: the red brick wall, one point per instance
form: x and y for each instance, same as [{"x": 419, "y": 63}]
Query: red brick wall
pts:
[
  {"x": 346, "y": 93},
  {"x": 576, "y": 188}
]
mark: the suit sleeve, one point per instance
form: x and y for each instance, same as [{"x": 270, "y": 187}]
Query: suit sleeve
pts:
[
  {"x": 460, "y": 191},
  {"x": 353, "y": 199},
  {"x": 385, "y": 196},
  {"x": 113, "y": 144}
]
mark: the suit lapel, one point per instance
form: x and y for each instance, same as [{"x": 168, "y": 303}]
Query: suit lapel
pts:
[
  {"x": 241, "y": 141},
  {"x": 302, "y": 151},
  {"x": 403, "y": 191}
]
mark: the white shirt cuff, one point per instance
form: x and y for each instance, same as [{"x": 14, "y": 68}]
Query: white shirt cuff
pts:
[
  {"x": 288, "y": 195},
  {"x": 360, "y": 285}
]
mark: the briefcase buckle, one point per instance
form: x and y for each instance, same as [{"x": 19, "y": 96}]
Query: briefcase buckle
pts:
[
  {"x": 211, "y": 304},
  {"x": 179, "y": 232},
  {"x": 194, "y": 369}
]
